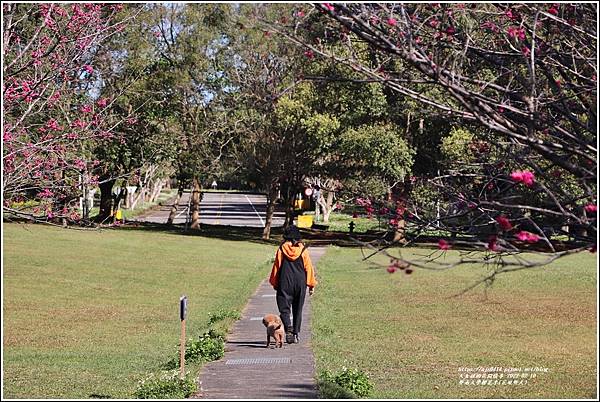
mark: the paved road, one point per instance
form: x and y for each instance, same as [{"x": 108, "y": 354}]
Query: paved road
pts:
[
  {"x": 234, "y": 209},
  {"x": 251, "y": 371}
]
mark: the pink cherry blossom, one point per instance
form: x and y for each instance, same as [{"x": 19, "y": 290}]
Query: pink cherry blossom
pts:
[
  {"x": 78, "y": 123},
  {"x": 392, "y": 21},
  {"x": 89, "y": 69},
  {"x": 391, "y": 269},
  {"x": 526, "y": 177},
  {"x": 492, "y": 243},
  {"x": 55, "y": 96},
  {"x": 79, "y": 164},
  {"x": 102, "y": 102},
  {"x": 329, "y": 6},
  {"x": 517, "y": 175},
  {"x": 489, "y": 25},
  {"x": 504, "y": 223},
  {"x": 443, "y": 245},
  {"x": 46, "y": 193},
  {"x": 86, "y": 108},
  {"x": 53, "y": 125},
  {"x": 527, "y": 237},
  {"x": 309, "y": 54},
  {"x": 591, "y": 208},
  {"x": 517, "y": 33},
  {"x": 512, "y": 15}
]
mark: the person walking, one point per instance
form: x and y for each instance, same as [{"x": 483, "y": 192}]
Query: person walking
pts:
[
  {"x": 316, "y": 195},
  {"x": 291, "y": 274}
]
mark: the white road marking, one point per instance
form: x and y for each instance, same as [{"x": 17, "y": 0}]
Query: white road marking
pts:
[
  {"x": 179, "y": 214},
  {"x": 184, "y": 209},
  {"x": 262, "y": 222}
]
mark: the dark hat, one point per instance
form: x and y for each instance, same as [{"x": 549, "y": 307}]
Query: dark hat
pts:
[{"x": 291, "y": 233}]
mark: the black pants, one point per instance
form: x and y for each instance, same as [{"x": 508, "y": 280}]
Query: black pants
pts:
[{"x": 291, "y": 299}]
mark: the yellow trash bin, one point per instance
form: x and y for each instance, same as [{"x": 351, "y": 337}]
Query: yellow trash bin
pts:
[
  {"x": 305, "y": 221},
  {"x": 119, "y": 215}
]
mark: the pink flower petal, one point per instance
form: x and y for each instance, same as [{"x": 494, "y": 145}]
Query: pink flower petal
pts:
[
  {"x": 329, "y": 6},
  {"x": 504, "y": 223},
  {"x": 492, "y": 243},
  {"x": 527, "y": 237},
  {"x": 443, "y": 244}
]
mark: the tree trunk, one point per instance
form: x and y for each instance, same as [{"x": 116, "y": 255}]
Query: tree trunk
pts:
[
  {"x": 290, "y": 199},
  {"x": 195, "y": 204},
  {"x": 272, "y": 197},
  {"x": 106, "y": 199},
  {"x": 156, "y": 189},
  {"x": 137, "y": 198},
  {"x": 328, "y": 206},
  {"x": 399, "y": 233},
  {"x": 175, "y": 204},
  {"x": 288, "y": 202}
]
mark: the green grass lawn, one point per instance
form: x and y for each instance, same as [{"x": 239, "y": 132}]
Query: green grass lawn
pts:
[
  {"x": 411, "y": 337},
  {"x": 338, "y": 222},
  {"x": 88, "y": 313}
]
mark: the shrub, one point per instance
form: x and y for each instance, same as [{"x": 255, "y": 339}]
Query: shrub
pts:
[
  {"x": 166, "y": 385},
  {"x": 331, "y": 390},
  {"x": 348, "y": 383},
  {"x": 209, "y": 346}
]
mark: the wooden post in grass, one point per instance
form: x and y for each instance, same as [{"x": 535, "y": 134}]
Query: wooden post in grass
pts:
[{"x": 182, "y": 314}]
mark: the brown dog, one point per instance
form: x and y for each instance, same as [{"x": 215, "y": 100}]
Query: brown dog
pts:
[{"x": 274, "y": 329}]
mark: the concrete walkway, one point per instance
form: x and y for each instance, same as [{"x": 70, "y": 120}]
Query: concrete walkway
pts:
[{"x": 251, "y": 371}]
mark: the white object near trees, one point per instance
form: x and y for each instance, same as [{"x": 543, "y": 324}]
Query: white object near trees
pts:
[{"x": 129, "y": 197}]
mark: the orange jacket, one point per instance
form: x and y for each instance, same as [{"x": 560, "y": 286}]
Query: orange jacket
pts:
[{"x": 292, "y": 253}]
